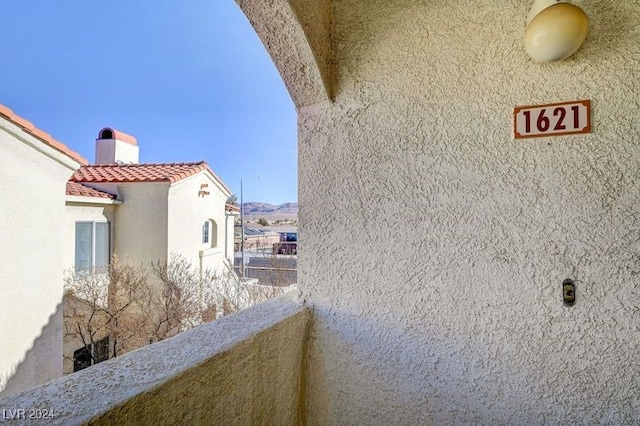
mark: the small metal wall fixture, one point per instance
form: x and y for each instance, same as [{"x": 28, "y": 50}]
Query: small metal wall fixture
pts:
[{"x": 568, "y": 292}]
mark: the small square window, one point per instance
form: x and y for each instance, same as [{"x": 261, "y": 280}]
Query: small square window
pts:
[
  {"x": 82, "y": 358},
  {"x": 101, "y": 351}
]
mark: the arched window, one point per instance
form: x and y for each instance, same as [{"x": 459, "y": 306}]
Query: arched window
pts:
[
  {"x": 205, "y": 232},
  {"x": 210, "y": 233}
]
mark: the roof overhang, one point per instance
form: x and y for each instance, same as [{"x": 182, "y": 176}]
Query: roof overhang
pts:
[{"x": 91, "y": 200}]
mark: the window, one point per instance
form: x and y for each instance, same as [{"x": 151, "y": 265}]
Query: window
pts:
[
  {"x": 92, "y": 246},
  {"x": 101, "y": 351},
  {"x": 210, "y": 233},
  {"x": 82, "y": 358},
  {"x": 205, "y": 232}
]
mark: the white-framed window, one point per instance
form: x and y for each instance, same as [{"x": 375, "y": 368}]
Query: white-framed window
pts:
[
  {"x": 205, "y": 232},
  {"x": 92, "y": 246},
  {"x": 210, "y": 233}
]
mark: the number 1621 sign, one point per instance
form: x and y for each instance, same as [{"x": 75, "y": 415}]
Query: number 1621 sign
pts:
[{"x": 553, "y": 119}]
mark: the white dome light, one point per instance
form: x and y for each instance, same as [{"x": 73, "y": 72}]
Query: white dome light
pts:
[{"x": 555, "y": 30}]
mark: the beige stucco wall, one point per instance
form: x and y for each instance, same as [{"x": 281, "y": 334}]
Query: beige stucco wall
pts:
[
  {"x": 83, "y": 212},
  {"x": 187, "y": 212},
  {"x": 80, "y": 212},
  {"x": 140, "y": 229},
  {"x": 32, "y": 186},
  {"x": 243, "y": 369},
  {"x": 436, "y": 244},
  {"x": 296, "y": 34}
]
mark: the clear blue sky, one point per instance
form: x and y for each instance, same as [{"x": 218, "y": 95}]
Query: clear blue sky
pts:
[{"x": 189, "y": 79}]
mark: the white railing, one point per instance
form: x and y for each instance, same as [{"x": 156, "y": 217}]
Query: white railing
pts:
[{"x": 245, "y": 368}]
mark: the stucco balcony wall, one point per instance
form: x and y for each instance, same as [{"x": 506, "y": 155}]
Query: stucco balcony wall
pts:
[{"x": 245, "y": 368}]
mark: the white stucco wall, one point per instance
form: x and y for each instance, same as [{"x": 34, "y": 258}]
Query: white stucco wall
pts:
[
  {"x": 32, "y": 187},
  {"x": 187, "y": 213},
  {"x": 436, "y": 244},
  {"x": 230, "y": 236},
  {"x": 109, "y": 151}
]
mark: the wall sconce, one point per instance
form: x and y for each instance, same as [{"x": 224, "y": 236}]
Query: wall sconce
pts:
[{"x": 555, "y": 30}]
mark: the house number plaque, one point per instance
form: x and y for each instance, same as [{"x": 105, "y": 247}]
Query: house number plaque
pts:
[{"x": 565, "y": 118}]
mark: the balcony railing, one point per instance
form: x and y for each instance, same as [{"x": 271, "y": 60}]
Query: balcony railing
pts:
[{"x": 246, "y": 368}]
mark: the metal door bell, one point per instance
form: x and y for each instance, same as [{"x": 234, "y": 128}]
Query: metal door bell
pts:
[{"x": 568, "y": 292}]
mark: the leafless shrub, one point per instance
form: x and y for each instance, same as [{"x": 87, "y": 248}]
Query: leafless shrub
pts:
[
  {"x": 231, "y": 294},
  {"x": 110, "y": 305},
  {"x": 177, "y": 300},
  {"x": 134, "y": 305}
]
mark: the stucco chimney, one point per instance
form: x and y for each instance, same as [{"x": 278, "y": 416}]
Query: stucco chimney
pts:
[{"x": 113, "y": 146}]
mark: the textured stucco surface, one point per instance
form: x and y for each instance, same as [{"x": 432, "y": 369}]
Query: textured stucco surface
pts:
[
  {"x": 296, "y": 34},
  {"x": 435, "y": 244},
  {"x": 187, "y": 212},
  {"x": 32, "y": 185},
  {"x": 140, "y": 231},
  {"x": 242, "y": 369}
]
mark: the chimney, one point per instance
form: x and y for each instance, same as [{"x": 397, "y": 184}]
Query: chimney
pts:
[{"x": 114, "y": 147}]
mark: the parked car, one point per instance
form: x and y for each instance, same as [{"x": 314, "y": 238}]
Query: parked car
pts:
[{"x": 285, "y": 247}]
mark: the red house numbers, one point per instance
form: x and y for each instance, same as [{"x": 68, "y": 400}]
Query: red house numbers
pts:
[{"x": 553, "y": 119}]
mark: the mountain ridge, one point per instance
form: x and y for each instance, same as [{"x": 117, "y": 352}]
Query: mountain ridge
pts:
[{"x": 267, "y": 209}]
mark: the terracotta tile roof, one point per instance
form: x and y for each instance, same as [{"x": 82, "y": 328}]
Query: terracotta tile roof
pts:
[
  {"x": 232, "y": 208},
  {"x": 80, "y": 190},
  {"x": 117, "y": 134},
  {"x": 45, "y": 137},
  {"x": 128, "y": 173}
]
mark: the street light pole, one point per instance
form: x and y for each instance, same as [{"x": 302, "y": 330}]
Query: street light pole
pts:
[{"x": 242, "y": 224}]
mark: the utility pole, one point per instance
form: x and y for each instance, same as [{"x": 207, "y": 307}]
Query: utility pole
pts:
[{"x": 242, "y": 271}]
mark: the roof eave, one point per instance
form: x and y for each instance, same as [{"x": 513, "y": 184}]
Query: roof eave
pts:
[{"x": 91, "y": 200}]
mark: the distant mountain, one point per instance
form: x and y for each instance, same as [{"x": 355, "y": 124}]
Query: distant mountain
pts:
[{"x": 267, "y": 209}]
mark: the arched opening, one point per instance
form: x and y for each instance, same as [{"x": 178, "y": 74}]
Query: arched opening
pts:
[
  {"x": 206, "y": 238},
  {"x": 106, "y": 134},
  {"x": 210, "y": 233},
  {"x": 192, "y": 82}
]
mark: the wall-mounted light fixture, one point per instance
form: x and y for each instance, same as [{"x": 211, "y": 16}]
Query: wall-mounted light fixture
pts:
[{"x": 555, "y": 30}]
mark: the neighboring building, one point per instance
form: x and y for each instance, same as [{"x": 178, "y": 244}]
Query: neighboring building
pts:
[
  {"x": 255, "y": 237},
  {"x": 260, "y": 237},
  {"x": 287, "y": 233},
  {"x": 144, "y": 213},
  {"x": 34, "y": 169}
]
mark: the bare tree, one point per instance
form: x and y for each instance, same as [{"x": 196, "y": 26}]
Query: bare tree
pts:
[
  {"x": 132, "y": 305},
  {"x": 177, "y": 300},
  {"x": 229, "y": 293},
  {"x": 111, "y": 305}
]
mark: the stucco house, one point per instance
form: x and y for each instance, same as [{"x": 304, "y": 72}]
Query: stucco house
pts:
[
  {"x": 144, "y": 213},
  {"x": 436, "y": 243},
  {"x": 255, "y": 237},
  {"x": 34, "y": 169},
  {"x": 80, "y": 215}
]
